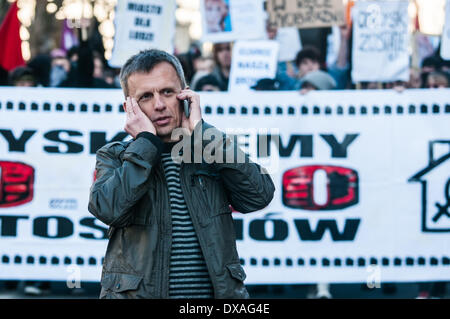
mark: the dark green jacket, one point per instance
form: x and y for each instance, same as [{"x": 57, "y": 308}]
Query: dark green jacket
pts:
[{"x": 131, "y": 196}]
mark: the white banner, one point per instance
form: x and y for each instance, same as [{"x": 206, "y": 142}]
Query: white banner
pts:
[
  {"x": 230, "y": 20},
  {"x": 445, "y": 38},
  {"x": 362, "y": 183},
  {"x": 141, "y": 25},
  {"x": 380, "y": 41},
  {"x": 251, "y": 61}
]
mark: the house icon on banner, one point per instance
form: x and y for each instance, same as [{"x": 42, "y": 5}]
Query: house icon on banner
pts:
[{"x": 435, "y": 180}]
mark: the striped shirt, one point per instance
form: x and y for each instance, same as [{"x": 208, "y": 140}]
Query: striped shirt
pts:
[{"x": 188, "y": 275}]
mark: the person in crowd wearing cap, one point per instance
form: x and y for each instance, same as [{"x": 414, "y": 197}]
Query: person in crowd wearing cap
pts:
[
  {"x": 317, "y": 80},
  {"x": 309, "y": 59}
]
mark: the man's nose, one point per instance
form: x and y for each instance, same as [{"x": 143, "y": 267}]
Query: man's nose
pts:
[{"x": 159, "y": 103}]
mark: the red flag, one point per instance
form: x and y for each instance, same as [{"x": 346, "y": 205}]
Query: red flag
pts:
[{"x": 11, "y": 49}]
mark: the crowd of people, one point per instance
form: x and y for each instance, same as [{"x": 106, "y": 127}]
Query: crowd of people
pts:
[{"x": 83, "y": 67}]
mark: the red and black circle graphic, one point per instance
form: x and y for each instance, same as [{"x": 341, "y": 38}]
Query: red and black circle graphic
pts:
[
  {"x": 341, "y": 187},
  {"x": 16, "y": 183}
]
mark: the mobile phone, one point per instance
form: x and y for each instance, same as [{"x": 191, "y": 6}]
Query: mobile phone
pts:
[{"x": 186, "y": 107}]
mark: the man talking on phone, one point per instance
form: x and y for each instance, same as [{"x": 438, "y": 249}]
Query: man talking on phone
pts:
[{"x": 171, "y": 234}]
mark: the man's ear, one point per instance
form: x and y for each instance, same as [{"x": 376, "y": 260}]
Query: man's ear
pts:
[{"x": 125, "y": 106}]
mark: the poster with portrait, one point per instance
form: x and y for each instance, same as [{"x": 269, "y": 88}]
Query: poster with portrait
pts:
[{"x": 230, "y": 20}]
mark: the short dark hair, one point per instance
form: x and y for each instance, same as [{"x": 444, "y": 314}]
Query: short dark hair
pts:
[
  {"x": 432, "y": 61},
  {"x": 145, "y": 61},
  {"x": 308, "y": 52},
  {"x": 206, "y": 80},
  {"x": 440, "y": 74},
  {"x": 21, "y": 73},
  {"x": 266, "y": 84}
]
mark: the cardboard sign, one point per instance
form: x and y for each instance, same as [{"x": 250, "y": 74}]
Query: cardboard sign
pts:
[
  {"x": 380, "y": 41},
  {"x": 445, "y": 40},
  {"x": 141, "y": 25},
  {"x": 306, "y": 13},
  {"x": 251, "y": 61},
  {"x": 230, "y": 20}
]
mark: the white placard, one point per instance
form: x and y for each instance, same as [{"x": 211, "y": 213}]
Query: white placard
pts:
[
  {"x": 445, "y": 39},
  {"x": 380, "y": 41},
  {"x": 384, "y": 201},
  {"x": 141, "y": 25},
  {"x": 333, "y": 43},
  {"x": 251, "y": 61},
  {"x": 290, "y": 43},
  {"x": 230, "y": 20}
]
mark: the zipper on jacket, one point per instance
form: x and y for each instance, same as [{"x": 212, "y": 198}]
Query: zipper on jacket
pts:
[
  {"x": 164, "y": 279},
  {"x": 200, "y": 180},
  {"x": 202, "y": 184},
  {"x": 195, "y": 222}
]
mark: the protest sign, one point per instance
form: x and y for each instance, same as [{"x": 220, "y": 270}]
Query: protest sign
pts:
[
  {"x": 251, "y": 61},
  {"x": 431, "y": 16},
  {"x": 290, "y": 43},
  {"x": 230, "y": 20},
  {"x": 305, "y": 13},
  {"x": 380, "y": 41},
  {"x": 140, "y": 25},
  {"x": 333, "y": 43},
  {"x": 445, "y": 39},
  {"x": 361, "y": 178}
]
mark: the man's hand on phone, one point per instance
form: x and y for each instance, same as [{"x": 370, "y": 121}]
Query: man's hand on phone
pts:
[
  {"x": 136, "y": 121},
  {"x": 195, "y": 114}
]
